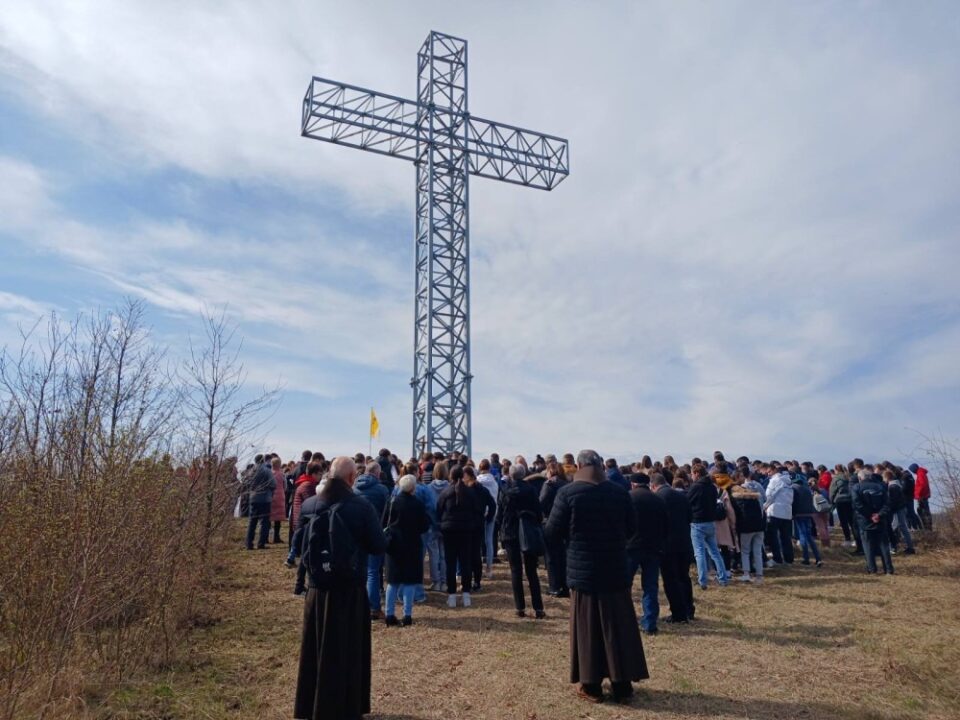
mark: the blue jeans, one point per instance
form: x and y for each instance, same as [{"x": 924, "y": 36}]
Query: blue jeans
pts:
[
  {"x": 374, "y": 563},
  {"x": 876, "y": 541},
  {"x": 259, "y": 512},
  {"x": 406, "y": 593},
  {"x": 900, "y": 523},
  {"x": 295, "y": 546},
  {"x": 804, "y": 527},
  {"x": 438, "y": 568},
  {"x": 703, "y": 535},
  {"x": 649, "y": 567},
  {"x": 488, "y": 543}
]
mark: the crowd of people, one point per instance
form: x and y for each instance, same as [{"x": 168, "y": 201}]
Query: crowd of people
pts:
[{"x": 596, "y": 524}]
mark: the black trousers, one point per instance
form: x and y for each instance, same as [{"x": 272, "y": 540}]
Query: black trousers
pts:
[
  {"x": 457, "y": 550},
  {"x": 845, "y": 515},
  {"x": 520, "y": 563},
  {"x": 675, "y": 571},
  {"x": 780, "y": 538},
  {"x": 476, "y": 556},
  {"x": 556, "y": 566},
  {"x": 923, "y": 512}
]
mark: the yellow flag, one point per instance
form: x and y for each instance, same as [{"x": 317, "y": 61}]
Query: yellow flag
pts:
[{"x": 374, "y": 425}]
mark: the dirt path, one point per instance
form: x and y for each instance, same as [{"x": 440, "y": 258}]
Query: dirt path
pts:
[{"x": 807, "y": 644}]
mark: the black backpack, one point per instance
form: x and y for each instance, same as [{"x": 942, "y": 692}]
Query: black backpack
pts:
[{"x": 330, "y": 552}]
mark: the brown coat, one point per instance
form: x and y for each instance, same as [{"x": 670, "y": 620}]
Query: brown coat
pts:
[{"x": 727, "y": 529}]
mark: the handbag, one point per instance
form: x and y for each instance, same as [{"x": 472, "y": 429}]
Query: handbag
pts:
[
  {"x": 392, "y": 533},
  {"x": 531, "y": 534}
]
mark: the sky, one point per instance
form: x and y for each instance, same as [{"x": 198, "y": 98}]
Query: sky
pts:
[{"x": 757, "y": 248}]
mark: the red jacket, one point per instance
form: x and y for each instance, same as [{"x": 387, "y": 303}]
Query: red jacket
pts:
[
  {"x": 306, "y": 487},
  {"x": 825, "y": 479},
  {"x": 921, "y": 488}
]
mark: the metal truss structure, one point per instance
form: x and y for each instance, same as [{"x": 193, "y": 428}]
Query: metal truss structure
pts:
[{"x": 446, "y": 145}]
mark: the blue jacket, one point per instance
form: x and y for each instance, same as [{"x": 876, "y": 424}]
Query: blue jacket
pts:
[
  {"x": 616, "y": 477},
  {"x": 376, "y": 493}
]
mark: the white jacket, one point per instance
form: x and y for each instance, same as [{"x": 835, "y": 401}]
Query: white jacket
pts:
[
  {"x": 490, "y": 483},
  {"x": 779, "y": 502}
]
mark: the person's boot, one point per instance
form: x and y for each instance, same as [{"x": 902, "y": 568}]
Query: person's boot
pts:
[
  {"x": 451, "y": 601},
  {"x": 391, "y": 621},
  {"x": 466, "y": 600},
  {"x": 590, "y": 693},
  {"x": 407, "y": 621}
]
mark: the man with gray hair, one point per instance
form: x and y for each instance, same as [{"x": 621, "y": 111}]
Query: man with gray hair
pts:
[
  {"x": 871, "y": 507},
  {"x": 604, "y": 634}
]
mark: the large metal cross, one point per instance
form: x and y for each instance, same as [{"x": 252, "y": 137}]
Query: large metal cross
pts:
[{"x": 446, "y": 144}]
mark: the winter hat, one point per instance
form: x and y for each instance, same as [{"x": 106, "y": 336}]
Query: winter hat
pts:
[{"x": 914, "y": 468}]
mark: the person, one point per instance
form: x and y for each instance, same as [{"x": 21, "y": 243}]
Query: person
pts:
[
  {"x": 678, "y": 551},
  {"x": 369, "y": 487},
  {"x": 909, "y": 490},
  {"x": 614, "y": 475},
  {"x": 305, "y": 487},
  {"x": 897, "y": 522},
  {"x": 556, "y": 550},
  {"x": 333, "y": 677},
  {"x": 727, "y": 539},
  {"x": 803, "y": 510},
  {"x": 823, "y": 518},
  {"x": 921, "y": 493},
  {"x": 750, "y": 524},
  {"x": 278, "y": 501},
  {"x": 704, "y": 496},
  {"x": 871, "y": 504},
  {"x": 261, "y": 486},
  {"x": 388, "y": 471},
  {"x": 489, "y": 481},
  {"x": 458, "y": 510},
  {"x": 779, "y": 510},
  {"x": 435, "y": 475},
  {"x": 488, "y": 511},
  {"x": 406, "y": 520},
  {"x": 519, "y": 503},
  {"x": 645, "y": 547},
  {"x": 595, "y": 518},
  {"x": 841, "y": 500},
  {"x": 569, "y": 466}
]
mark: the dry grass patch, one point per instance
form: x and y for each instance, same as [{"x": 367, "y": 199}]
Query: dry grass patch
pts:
[{"x": 832, "y": 643}]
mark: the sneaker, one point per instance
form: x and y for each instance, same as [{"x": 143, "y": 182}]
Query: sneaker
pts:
[
  {"x": 909, "y": 551},
  {"x": 451, "y": 601},
  {"x": 391, "y": 621},
  {"x": 540, "y": 615},
  {"x": 771, "y": 564},
  {"x": 289, "y": 564},
  {"x": 744, "y": 578},
  {"x": 670, "y": 620},
  {"x": 758, "y": 580},
  {"x": 819, "y": 563},
  {"x": 563, "y": 593},
  {"x": 466, "y": 599},
  {"x": 407, "y": 621}
]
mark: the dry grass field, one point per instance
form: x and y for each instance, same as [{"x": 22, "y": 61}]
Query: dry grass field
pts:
[{"x": 829, "y": 643}]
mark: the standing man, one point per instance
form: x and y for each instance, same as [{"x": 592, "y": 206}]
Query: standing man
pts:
[
  {"x": 704, "y": 496},
  {"x": 678, "y": 551},
  {"x": 369, "y": 487},
  {"x": 261, "y": 488},
  {"x": 779, "y": 510},
  {"x": 871, "y": 503},
  {"x": 333, "y": 680},
  {"x": 645, "y": 547},
  {"x": 921, "y": 492},
  {"x": 595, "y": 518}
]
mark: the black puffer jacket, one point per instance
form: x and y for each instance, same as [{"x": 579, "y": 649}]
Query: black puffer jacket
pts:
[
  {"x": 548, "y": 493},
  {"x": 747, "y": 508},
  {"x": 515, "y": 498},
  {"x": 461, "y": 515},
  {"x": 595, "y": 518},
  {"x": 679, "y": 518}
]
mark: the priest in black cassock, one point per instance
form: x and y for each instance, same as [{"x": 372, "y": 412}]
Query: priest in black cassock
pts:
[
  {"x": 595, "y": 518},
  {"x": 333, "y": 682}
]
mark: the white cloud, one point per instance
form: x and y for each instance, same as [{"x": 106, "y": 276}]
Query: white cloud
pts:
[{"x": 763, "y": 199}]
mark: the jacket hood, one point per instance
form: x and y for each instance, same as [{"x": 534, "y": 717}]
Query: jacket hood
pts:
[
  {"x": 439, "y": 484},
  {"x": 722, "y": 480},
  {"x": 365, "y": 482},
  {"x": 304, "y": 479},
  {"x": 486, "y": 477},
  {"x": 738, "y": 491}
]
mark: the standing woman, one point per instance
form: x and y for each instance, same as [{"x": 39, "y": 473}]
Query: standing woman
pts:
[
  {"x": 842, "y": 500},
  {"x": 556, "y": 551},
  {"x": 519, "y": 503},
  {"x": 457, "y": 511},
  {"x": 406, "y": 520},
  {"x": 333, "y": 680},
  {"x": 487, "y": 511},
  {"x": 595, "y": 517}
]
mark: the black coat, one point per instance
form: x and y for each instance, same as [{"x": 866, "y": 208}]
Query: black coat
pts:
[
  {"x": 595, "y": 518},
  {"x": 652, "y": 522},
  {"x": 407, "y": 515},
  {"x": 803, "y": 499},
  {"x": 487, "y": 503},
  {"x": 703, "y": 496},
  {"x": 747, "y": 508},
  {"x": 870, "y": 497},
  {"x": 458, "y": 516},
  {"x": 549, "y": 492},
  {"x": 537, "y": 481},
  {"x": 679, "y": 517},
  {"x": 515, "y": 498}
]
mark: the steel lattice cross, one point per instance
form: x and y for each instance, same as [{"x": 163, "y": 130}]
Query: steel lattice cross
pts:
[{"x": 446, "y": 144}]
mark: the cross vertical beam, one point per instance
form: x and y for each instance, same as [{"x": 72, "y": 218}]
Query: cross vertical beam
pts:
[{"x": 441, "y": 376}]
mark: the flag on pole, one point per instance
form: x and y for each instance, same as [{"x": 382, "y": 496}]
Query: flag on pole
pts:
[{"x": 374, "y": 425}]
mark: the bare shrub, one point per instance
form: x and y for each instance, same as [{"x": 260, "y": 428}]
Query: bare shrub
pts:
[
  {"x": 112, "y": 495},
  {"x": 944, "y": 467}
]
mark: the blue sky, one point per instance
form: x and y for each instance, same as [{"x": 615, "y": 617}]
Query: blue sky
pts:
[{"x": 757, "y": 249}]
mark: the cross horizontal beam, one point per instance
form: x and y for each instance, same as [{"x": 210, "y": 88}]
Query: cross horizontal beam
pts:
[{"x": 390, "y": 125}]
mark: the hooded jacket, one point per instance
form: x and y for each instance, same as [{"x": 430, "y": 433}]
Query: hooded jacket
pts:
[
  {"x": 517, "y": 497},
  {"x": 262, "y": 485},
  {"x": 304, "y": 488},
  {"x": 802, "y": 498},
  {"x": 779, "y": 497},
  {"x": 870, "y": 497},
  {"x": 840, "y": 490},
  {"x": 755, "y": 486},
  {"x": 921, "y": 488},
  {"x": 747, "y": 508},
  {"x": 459, "y": 515},
  {"x": 615, "y": 476},
  {"x": 491, "y": 484},
  {"x": 548, "y": 492},
  {"x": 703, "y": 496},
  {"x": 374, "y": 491}
]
